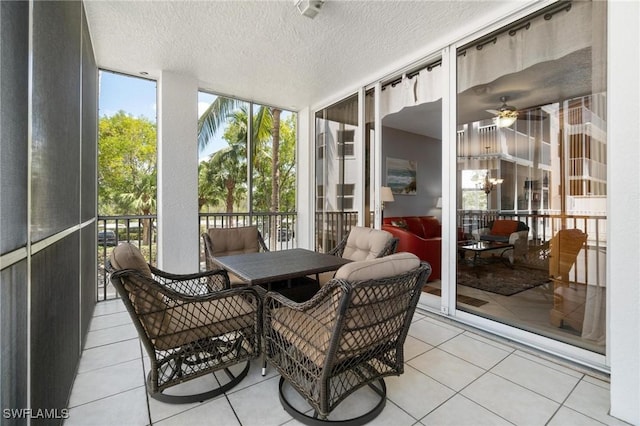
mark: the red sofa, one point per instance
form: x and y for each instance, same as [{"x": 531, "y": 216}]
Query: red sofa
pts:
[{"x": 420, "y": 235}]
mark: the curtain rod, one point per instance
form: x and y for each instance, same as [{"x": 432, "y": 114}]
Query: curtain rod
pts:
[
  {"x": 413, "y": 73},
  {"x": 514, "y": 27}
]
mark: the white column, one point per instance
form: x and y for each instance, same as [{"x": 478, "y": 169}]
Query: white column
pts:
[
  {"x": 624, "y": 208},
  {"x": 178, "y": 233},
  {"x": 305, "y": 193}
]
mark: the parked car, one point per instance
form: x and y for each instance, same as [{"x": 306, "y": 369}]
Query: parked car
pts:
[
  {"x": 107, "y": 238},
  {"x": 285, "y": 234}
]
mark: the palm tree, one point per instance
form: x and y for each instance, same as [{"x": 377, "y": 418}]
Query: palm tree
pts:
[
  {"x": 266, "y": 126},
  {"x": 208, "y": 193},
  {"x": 142, "y": 199}
]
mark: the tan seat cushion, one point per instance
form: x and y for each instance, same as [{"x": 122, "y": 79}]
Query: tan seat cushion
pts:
[
  {"x": 128, "y": 256},
  {"x": 365, "y": 243},
  {"x": 194, "y": 321},
  {"x": 230, "y": 241},
  {"x": 148, "y": 303},
  {"x": 304, "y": 332},
  {"x": 383, "y": 267}
]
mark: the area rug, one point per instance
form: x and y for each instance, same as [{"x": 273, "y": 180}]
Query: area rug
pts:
[
  {"x": 500, "y": 279},
  {"x": 467, "y": 300}
]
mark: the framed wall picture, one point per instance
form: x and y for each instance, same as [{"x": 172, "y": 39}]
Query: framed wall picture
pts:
[{"x": 401, "y": 176}]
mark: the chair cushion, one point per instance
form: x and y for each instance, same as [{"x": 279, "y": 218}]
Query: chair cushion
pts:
[
  {"x": 365, "y": 243},
  {"x": 504, "y": 227},
  {"x": 497, "y": 238},
  {"x": 128, "y": 256},
  {"x": 147, "y": 301},
  {"x": 191, "y": 322},
  {"x": 383, "y": 267},
  {"x": 304, "y": 332},
  {"x": 230, "y": 241}
]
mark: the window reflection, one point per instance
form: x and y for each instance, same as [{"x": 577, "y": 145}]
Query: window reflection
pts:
[{"x": 547, "y": 217}]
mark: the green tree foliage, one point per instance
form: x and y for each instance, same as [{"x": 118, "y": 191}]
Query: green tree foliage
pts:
[
  {"x": 225, "y": 182},
  {"x": 126, "y": 165}
]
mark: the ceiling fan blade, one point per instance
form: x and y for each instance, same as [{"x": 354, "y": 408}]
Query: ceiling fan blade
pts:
[
  {"x": 492, "y": 111},
  {"x": 531, "y": 115}
]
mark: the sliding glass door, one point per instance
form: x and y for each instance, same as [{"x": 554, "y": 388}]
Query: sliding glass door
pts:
[
  {"x": 531, "y": 174},
  {"x": 337, "y": 163}
]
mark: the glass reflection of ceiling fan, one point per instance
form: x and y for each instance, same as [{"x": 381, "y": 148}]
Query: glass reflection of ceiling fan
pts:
[{"x": 506, "y": 115}]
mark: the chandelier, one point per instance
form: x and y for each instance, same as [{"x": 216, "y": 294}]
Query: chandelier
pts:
[{"x": 490, "y": 183}]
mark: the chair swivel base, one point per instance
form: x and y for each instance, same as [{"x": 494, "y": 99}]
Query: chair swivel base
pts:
[
  {"x": 199, "y": 397},
  {"x": 355, "y": 421}
]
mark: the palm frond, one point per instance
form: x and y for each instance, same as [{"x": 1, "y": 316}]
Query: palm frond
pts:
[{"x": 213, "y": 118}]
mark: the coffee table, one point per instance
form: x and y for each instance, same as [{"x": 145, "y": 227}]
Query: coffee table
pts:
[
  {"x": 479, "y": 247},
  {"x": 269, "y": 267}
]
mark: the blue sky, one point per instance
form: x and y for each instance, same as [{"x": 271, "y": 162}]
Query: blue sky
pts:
[
  {"x": 135, "y": 96},
  {"x": 138, "y": 97}
]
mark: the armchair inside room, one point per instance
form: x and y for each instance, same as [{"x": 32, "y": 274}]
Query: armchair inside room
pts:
[
  {"x": 230, "y": 241},
  {"x": 506, "y": 231},
  {"x": 569, "y": 296},
  {"x": 420, "y": 235},
  {"x": 188, "y": 326},
  {"x": 349, "y": 335}
]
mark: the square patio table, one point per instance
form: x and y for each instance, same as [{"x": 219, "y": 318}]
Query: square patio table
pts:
[{"x": 275, "y": 266}]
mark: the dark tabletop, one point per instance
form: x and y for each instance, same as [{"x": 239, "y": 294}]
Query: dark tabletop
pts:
[{"x": 266, "y": 267}]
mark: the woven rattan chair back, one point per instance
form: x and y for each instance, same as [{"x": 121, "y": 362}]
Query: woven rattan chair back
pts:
[
  {"x": 187, "y": 326},
  {"x": 349, "y": 335},
  {"x": 230, "y": 241}
]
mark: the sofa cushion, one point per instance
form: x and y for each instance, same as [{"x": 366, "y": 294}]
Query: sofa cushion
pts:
[
  {"x": 431, "y": 226},
  {"x": 414, "y": 225},
  {"x": 400, "y": 223},
  {"x": 504, "y": 227}
]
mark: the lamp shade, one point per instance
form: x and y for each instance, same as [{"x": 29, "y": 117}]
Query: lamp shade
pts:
[
  {"x": 439, "y": 203},
  {"x": 385, "y": 194}
]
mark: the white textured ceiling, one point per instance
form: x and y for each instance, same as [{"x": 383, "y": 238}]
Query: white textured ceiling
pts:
[{"x": 265, "y": 50}]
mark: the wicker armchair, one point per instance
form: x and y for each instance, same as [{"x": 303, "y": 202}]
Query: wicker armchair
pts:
[
  {"x": 230, "y": 241},
  {"x": 350, "y": 334},
  {"x": 188, "y": 327}
]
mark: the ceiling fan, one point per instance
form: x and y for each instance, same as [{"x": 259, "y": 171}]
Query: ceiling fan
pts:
[{"x": 506, "y": 115}]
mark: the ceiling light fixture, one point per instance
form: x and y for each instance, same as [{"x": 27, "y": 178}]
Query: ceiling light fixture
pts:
[
  {"x": 506, "y": 115},
  {"x": 309, "y": 8}
]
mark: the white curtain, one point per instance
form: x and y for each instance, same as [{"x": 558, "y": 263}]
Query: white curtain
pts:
[
  {"x": 543, "y": 41},
  {"x": 422, "y": 88}
]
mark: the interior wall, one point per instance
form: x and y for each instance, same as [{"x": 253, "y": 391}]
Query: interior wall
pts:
[
  {"x": 47, "y": 192},
  {"x": 428, "y": 153}
]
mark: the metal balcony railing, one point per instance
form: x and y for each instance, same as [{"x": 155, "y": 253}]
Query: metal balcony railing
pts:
[{"x": 142, "y": 231}]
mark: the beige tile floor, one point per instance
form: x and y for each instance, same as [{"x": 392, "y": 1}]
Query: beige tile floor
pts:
[{"x": 453, "y": 376}]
